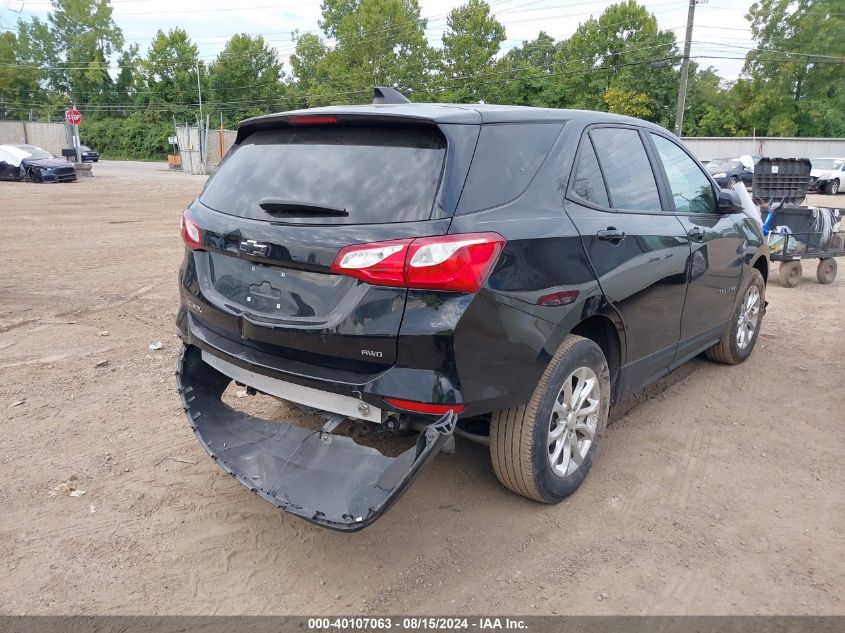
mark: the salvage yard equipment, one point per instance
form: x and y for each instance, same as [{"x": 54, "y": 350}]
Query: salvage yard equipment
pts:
[{"x": 796, "y": 232}]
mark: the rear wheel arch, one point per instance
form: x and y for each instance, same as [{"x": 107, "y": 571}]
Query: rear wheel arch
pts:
[
  {"x": 763, "y": 266},
  {"x": 603, "y": 332}
]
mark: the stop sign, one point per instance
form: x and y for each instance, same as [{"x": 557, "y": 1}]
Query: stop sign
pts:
[{"x": 73, "y": 116}]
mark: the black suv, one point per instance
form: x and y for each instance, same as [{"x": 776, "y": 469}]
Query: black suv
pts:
[{"x": 501, "y": 273}]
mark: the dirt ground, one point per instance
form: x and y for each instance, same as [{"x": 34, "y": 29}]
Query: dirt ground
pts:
[{"x": 721, "y": 491}]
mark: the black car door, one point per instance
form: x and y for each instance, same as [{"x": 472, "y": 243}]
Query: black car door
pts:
[
  {"x": 717, "y": 246},
  {"x": 638, "y": 252}
]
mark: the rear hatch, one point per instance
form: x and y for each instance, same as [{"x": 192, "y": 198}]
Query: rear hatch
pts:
[{"x": 278, "y": 210}]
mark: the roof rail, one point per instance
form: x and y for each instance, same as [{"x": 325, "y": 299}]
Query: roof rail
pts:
[{"x": 388, "y": 95}]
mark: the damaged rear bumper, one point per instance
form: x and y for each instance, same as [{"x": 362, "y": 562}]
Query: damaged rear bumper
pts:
[{"x": 326, "y": 479}]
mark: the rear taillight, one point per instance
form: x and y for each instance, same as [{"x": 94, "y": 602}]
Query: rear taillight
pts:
[
  {"x": 452, "y": 262},
  {"x": 381, "y": 263},
  {"x": 424, "y": 407},
  {"x": 458, "y": 263},
  {"x": 190, "y": 231}
]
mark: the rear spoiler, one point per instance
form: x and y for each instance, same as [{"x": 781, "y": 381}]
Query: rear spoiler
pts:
[{"x": 387, "y": 108}]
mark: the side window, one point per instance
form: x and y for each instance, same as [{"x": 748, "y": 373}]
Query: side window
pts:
[
  {"x": 691, "y": 189},
  {"x": 589, "y": 184},
  {"x": 506, "y": 159},
  {"x": 624, "y": 162}
]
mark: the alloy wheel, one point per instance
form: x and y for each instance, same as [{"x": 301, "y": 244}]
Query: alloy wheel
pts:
[
  {"x": 749, "y": 315},
  {"x": 573, "y": 422}
]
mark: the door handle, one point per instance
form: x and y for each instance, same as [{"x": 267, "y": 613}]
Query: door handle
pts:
[
  {"x": 697, "y": 233},
  {"x": 611, "y": 234}
]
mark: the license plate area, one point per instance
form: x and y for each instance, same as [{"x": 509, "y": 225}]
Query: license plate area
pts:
[{"x": 274, "y": 292}]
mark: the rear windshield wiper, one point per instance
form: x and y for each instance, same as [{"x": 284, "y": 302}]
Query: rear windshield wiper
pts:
[{"x": 280, "y": 206}]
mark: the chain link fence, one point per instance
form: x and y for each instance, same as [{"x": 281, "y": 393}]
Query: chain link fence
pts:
[{"x": 53, "y": 137}]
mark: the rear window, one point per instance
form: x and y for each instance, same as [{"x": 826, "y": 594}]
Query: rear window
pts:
[
  {"x": 589, "y": 184},
  {"x": 506, "y": 159},
  {"x": 331, "y": 175},
  {"x": 625, "y": 165}
]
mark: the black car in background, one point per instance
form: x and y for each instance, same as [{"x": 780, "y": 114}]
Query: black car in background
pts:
[
  {"x": 88, "y": 154},
  {"x": 28, "y": 162},
  {"x": 729, "y": 171},
  {"x": 501, "y": 273}
]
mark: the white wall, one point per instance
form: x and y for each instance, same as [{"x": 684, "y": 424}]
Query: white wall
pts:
[{"x": 708, "y": 148}]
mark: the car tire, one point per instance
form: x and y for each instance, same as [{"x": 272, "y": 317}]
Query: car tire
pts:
[
  {"x": 826, "y": 271},
  {"x": 746, "y": 318},
  {"x": 732, "y": 182},
  {"x": 790, "y": 273},
  {"x": 526, "y": 458},
  {"x": 832, "y": 188}
]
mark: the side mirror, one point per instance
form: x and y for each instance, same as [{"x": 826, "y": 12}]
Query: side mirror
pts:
[{"x": 729, "y": 202}]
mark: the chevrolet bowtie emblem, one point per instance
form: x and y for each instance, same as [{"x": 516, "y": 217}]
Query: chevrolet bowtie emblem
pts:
[{"x": 251, "y": 247}]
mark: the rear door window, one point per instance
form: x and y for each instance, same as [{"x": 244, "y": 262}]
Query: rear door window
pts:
[
  {"x": 506, "y": 159},
  {"x": 589, "y": 184},
  {"x": 692, "y": 191},
  {"x": 331, "y": 175},
  {"x": 627, "y": 171}
]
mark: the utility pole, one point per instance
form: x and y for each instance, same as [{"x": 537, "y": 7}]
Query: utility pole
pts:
[
  {"x": 682, "y": 92},
  {"x": 199, "y": 122},
  {"x": 76, "y": 140}
]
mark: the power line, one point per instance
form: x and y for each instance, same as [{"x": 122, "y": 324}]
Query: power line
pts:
[
  {"x": 398, "y": 29},
  {"x": 622, "y": 51},
  {"x": 386, "y": 33},
  {"x": 336, "y": 96}
]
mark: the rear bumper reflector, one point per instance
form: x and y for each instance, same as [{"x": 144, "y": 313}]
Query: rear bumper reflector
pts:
[
  {"x": 424, "y": 407},
  {"x": 323, "y": 478}
]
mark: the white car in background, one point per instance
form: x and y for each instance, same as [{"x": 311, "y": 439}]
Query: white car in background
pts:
[{"x": 827, "y": 175}]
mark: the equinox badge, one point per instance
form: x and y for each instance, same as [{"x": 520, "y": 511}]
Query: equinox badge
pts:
[{"x": 251, "y": 247}]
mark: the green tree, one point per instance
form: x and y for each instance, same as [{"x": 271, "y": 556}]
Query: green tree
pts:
[
  {"x": 379, "y": 43},
  {"x": 627, "y": 102},
  {"x": 618, "y": 50},
  {"x": 23, "y": 71},
  {"x": 470, "y": 44},
  {"x": 170, "y": 72},
  {"x": 524, "y": 76},
  {"x": 128, "y": 86},
  {"x": 309, "y": 71},
  {"x": 87, "y": 36},
  {"x": 36, "y": 46},
  {"x": 796, "y": 69},
  {"x": 333, "y": 12},
  {"x": 245, "y": 79},
  {"x": 709, "y": 107}
]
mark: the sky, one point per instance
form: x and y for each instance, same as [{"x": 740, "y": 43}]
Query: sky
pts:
[{"x": 720, "y": 27}]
